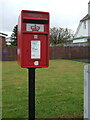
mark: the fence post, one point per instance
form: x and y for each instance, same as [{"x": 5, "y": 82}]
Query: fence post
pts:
[{"x": 87, "y": 92}]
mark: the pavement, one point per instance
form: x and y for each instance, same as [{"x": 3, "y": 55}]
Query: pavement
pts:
[{"x": 83, "y": 60}]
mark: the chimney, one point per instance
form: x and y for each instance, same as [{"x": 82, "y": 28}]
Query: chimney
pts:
[{"x": 89, "y": 8}]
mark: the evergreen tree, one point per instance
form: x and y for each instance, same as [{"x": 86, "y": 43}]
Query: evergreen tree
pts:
[{"x": 14, "y": 36}]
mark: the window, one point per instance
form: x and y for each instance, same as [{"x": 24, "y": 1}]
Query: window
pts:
[{"x": 84, "y": 24}]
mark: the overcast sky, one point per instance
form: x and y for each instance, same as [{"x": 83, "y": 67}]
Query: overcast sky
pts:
[{"x": 63, "y": 13}]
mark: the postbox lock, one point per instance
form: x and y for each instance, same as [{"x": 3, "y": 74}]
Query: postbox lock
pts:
[{"x": 35, "y": 36}]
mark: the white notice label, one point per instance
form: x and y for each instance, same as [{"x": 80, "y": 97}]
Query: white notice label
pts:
[
  {"x": 36, "y": 63},
  {"x": 35, "y": 49}
]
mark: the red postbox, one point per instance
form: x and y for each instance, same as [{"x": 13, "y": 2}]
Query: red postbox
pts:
[{"x": 33, "y": 39}]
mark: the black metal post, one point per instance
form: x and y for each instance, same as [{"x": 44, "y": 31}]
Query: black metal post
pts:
[{"x": 31, "y": 79}]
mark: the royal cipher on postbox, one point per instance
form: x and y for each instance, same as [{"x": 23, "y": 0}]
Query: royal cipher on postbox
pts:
[{"x": 33, "y": 39}]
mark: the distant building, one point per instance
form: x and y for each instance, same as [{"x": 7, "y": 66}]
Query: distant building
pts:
[
  {"x": 3, "y": 39},
  {"x": 82, "y": 34},
  {"x": 2, "y": 44},
  {"x": 8, "y": 41}
]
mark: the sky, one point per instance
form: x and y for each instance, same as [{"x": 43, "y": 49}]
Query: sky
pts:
[{"x": 63, "y": 13}]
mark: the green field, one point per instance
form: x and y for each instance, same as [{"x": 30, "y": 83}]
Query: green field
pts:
[{"x": 59, "y": 90}]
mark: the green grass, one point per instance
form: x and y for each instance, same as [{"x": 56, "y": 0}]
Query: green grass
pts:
[{"x": 59, "y": 90}]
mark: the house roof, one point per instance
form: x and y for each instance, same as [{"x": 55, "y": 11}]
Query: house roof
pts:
[
  {"x": 3, "y": 34},
  {"x": 85, "y": 18}
]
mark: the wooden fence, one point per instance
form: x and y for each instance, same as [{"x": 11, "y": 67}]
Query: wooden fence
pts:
[
  {"x": 64, "y": 52},
  {"x": 69, "y": 52}
]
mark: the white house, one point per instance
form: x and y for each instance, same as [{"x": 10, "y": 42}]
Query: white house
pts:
[{"x": 83, "y": 33}]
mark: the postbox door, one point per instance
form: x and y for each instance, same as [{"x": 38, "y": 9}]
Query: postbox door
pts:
[{"x": 35, "y": 52}]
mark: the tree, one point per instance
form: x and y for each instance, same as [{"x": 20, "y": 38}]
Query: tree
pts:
[
  {"x": 54, "y": 36},
  {"x": 14, "y": 36},
  {"x": 60, "y": 35}
]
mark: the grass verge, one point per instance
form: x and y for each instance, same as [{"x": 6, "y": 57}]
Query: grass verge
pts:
[{"x": 59, "y": 90}]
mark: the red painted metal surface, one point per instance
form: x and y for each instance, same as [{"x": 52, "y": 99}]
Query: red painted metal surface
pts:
[{"x": 33, "y": 39}]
